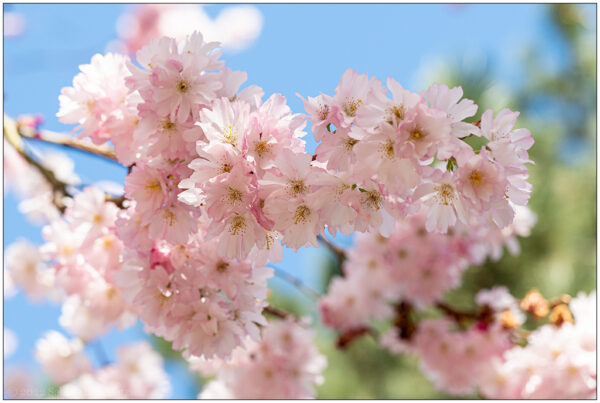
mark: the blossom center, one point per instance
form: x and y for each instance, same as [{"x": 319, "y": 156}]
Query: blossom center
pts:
[
  {"x": 416, "y": 134},
  {"x": 387, "y": 149},
  {"x": 396, "y": 111},
  {"x": 349, "y": 143},
  {"x": 238, "y": 224},
  {"x": 261, "y": 148},
  {"x": 297, "y": 186},
  {"x": 302, "y": 214},
  {"x": 445, "y": 193},
  {"x": 372, "y": 199},
  {"x": 153, "y": 186},
  {"x": 230, "y": 136},
  {"x": 183, "y": 87},
  {"x": 234, "y": 195},
  {"x": 222, "y": 266},
  {"x": 324, "y": 112},
  {"x": 169, "y": 217},
  {"x": 476, "y": 178},
  {"x": 351, "y": 106},
  {"x": 167, "y": 125}
]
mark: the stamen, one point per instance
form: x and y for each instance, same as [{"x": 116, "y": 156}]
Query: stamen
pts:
[
  {"x": 351, "y": 106},
  {"x": 296, "y": 187},
  {"x": 476, "y": 178},
  {"x": 445, "y": 194},
  {"x": 238, "y": 225},
  {"x": 302, "y": 214},
  {"x": 183, "y": 87},
  {"x": 230, "y": 136}
]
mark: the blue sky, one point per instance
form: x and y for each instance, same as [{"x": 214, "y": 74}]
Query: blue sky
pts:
[{"x": 302, "y": 49}]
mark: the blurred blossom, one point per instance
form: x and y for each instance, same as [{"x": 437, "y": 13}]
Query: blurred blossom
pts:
[
  {"x": 10, "y": 342},
  {"x": 14, "y": 24},
  {"x": 28, "y": 271},
  {"x": 236, "y": 27},
  {"x": 137, "y": 374},
  {"x": 63, "y": 360},
  {"x": 9, "y": 285},
  {"x": 18, "y": 384}
]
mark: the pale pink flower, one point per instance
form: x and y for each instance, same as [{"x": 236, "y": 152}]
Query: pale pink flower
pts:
[
  {"x": 284, "y": 365},
  {"x": 444, "y": 201},
  {"x": 62, "y": 360},
  {"x": 425, "y": 134},
  {"x": 354, "y": 95},
  {"x": 226, "y": 122},
  {"x": 102, "y": 105},
  {"x": 377, "y": 153},
  {"x": 440, "y": 96},
  {"x": 28, "y": 271},
  {"x": 322, "y": 112}
]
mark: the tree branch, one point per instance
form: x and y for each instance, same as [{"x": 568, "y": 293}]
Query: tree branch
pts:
[
  {"x": 279, "y": 313},
  {"x": 339, "y": 253},
  {"x": 67, "y": 141},
  {"x": 59, "y": 188},
  {"x": 296, "y": 282}
]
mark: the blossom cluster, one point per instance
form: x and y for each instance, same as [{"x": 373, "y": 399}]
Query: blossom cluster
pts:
[
  {"x": 137, "y": 373},
  {"x": 77, "y": 265},
  {"x": 284, "y": 365},
  {"x": 219, "y": 180},
  {"x": 411, "y": 265},
  {"x": 410, "y": 150},
  {"x": 184, "y": 287},
  {"x": 558, "y": 360}
]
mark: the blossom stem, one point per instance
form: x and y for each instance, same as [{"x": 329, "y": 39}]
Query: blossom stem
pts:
[
  {"x": 338, "y": 252},
  {"x": 303, "y": 288}
]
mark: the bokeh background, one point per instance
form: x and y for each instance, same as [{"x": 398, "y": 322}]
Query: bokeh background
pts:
[{"x": 535, "y": 58}]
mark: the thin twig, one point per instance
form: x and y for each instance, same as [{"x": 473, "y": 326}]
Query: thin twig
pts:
[
  {"x": 306, "y": 290},
  {"x": 338, "y": 252}
]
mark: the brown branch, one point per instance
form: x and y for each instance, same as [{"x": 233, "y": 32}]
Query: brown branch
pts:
[
  {"x": 404, "y": 320},
  {"x": 59, "y": 188},
  {"x": 454, "y": 313},
  {"x": 339, "y": 253},
  {"x": 279, "y": 313},
  {"x": 347, "y": 337},
  {"x": 69, "y": 142}
]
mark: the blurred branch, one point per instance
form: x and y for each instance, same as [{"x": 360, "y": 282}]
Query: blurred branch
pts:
[
  {"x": 348, "y": 336},
  {"x": 296, "y": 282},
  {"x": 338, "y": 252},
  {"x": 59, "y": 188},
  {"x": 13, "y": 136},
  {"x": 279, "y": 313}
]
